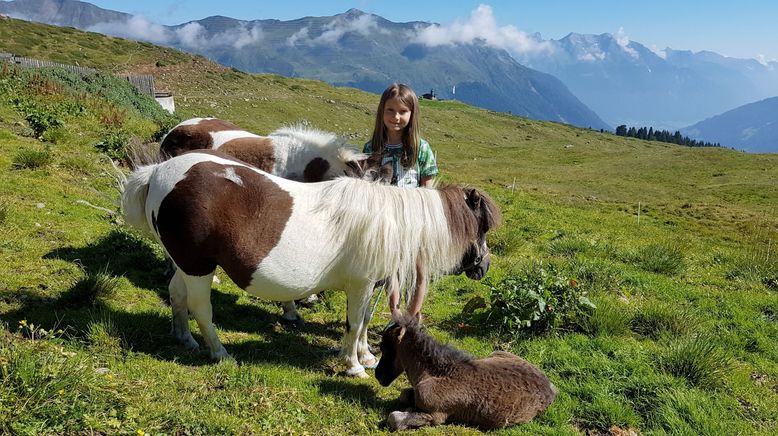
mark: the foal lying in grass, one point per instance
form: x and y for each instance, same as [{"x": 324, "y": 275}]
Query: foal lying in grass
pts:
[{"x": 451, "y": 386}]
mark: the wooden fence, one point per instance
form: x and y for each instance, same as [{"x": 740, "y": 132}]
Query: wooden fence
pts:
[{"x": 144, "y": 83}]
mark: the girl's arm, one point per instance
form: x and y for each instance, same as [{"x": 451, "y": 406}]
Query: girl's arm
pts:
[{"x": 427, "y": 181}]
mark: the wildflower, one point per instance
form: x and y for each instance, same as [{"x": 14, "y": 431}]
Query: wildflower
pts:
[
  {"x": 61, "y": 392},
  {"x": 109, "y": 377},
  {"x": 23, "y": 323},
  {"x": 140, "y": 432}
]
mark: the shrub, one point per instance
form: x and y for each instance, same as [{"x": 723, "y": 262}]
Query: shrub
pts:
[
  {"x": 538, "y": 299},
  {"x": 42, "y": 118},
  {"x": 26, "y": 158},
  {"x": 697, "y": 359}
]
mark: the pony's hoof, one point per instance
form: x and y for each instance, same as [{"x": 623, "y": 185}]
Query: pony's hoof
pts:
[
  {"x": 298, "y": 321},
  {"x": 396, "y": 420},
  {"x": 356, "y": 372},
  {"x": 369, "y": 362},
  {"x": 221, "y": 355}
]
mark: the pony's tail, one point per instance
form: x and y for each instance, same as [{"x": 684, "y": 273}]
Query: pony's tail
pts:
[{"x": 136, "y": 189}]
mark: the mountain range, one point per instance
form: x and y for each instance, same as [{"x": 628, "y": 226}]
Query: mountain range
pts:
[
  {"x": 350, "y": 49},
  {"x": 752, "y": 127},
  {"x": 595, "y": 81},
  {"x": 627, "y": 83}
]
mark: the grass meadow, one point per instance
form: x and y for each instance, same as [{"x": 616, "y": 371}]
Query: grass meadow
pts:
[{"x": 675, "y": 248}]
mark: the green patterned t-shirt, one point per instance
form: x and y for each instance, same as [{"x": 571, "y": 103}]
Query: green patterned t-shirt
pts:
[{"x": 408, "y": 177}]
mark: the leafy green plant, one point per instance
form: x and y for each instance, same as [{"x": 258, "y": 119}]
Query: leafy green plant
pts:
[
  {"x": 113, "y": 143},
  {"x": 31, "y": 159},
  {"x": 538, "y": 299},
  {"x": 698, "y": 359}
]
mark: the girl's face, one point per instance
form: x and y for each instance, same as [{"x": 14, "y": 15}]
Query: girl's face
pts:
[{"x": 396, "y": 118}]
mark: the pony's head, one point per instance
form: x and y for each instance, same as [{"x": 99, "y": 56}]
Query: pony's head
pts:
[
  {"x": 369, "y": 168},
  {"x": 472, "y": 219}
]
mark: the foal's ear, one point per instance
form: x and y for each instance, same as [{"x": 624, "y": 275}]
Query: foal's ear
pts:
[
  {"x": 401, "y": 334},
  {"x": 355, "y": 169}
]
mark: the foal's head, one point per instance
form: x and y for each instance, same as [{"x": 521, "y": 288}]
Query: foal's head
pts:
[{"x": 390, "y": 366}]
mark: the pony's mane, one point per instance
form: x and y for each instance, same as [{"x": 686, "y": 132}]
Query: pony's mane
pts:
[
  {"x": 389, "y": 227},
  {"x": 441, "y": 357},
  {"x": 301, "y": 136}
]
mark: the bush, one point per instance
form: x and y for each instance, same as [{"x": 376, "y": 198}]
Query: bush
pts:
[{"x": 538, "y": 299}]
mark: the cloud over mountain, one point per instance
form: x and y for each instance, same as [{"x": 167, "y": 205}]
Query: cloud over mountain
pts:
[{"x": 480, "y": 26}]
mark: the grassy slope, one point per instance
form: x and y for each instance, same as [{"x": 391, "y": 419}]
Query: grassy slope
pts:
[{"x": 574, "y": 204}]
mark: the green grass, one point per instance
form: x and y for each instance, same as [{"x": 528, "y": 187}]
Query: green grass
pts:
[{"x": 682, "y": 340}]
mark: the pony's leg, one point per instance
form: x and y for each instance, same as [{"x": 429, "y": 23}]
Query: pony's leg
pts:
[
  {"x": 357, "y": 300},
  {"x": 365, "y": 357},
  {"x": 291, "y": 316},
  {"x": 198, "y": 297},
  {"x": 178, "y": 304},
  {"x": 398, "y": 420}
]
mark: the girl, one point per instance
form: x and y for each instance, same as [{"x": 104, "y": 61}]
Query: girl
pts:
[{"x": 396, "y": 139}]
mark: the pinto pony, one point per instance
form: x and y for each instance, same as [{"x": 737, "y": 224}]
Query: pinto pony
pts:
[
  {"x": 451, "y": 386},
  {"x": 297, "y": 153},
  {"x": 282, "y": 240}
]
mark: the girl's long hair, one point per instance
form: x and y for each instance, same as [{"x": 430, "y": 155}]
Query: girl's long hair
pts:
[{"x": 411, "y": 142}]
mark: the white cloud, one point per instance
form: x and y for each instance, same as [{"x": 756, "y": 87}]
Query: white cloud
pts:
[
  {"x": 623, "y": 41},
  {"x": 335, "y": 29},
  {"x": 192, "y": 35},
  {"x": 481, "y": 26},
  {"x": 136, "y": 27}
]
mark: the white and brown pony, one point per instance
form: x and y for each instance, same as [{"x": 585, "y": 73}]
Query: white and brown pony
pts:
[
  {"x": 451, "y": 386},
  {"x": 282, "y": 240},
  {"x": 297, "y": 153}
]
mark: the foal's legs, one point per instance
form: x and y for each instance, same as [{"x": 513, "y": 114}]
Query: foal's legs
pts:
[
  {"x": 198, "y": 293},
  {"x": 399, "y": 420},
  {"x": 180, "y": 329}
]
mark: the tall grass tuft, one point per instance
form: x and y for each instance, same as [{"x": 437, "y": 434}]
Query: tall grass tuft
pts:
[
  {"x": 91, "y": 289},
  {"x": 568, "y": 247},
  {"x": 660, "y": 258},
  {"x": 104, "y": 335},
  {"x": 654, "y": 320},
  {"x": 698, "y": 359},
  {"x": 31, "y": 159},
  {"x": 4, "y": 210},
  {"x": 609, "y": 319}
]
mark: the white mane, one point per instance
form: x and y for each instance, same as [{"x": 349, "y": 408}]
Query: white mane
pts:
[
  {"x": 385, "y": 229},
  {"x": 302, "y": 139}
]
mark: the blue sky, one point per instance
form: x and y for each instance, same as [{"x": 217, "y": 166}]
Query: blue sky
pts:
[{"x": 746, "y": 29}]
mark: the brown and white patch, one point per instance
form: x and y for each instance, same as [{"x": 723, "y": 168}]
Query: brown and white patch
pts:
[
  {"x": 256, "y": 151},
  {"x": 193, "y": 136},
  {"x": 226, "y": 215}
]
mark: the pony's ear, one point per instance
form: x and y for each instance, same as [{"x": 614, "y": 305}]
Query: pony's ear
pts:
[
  {"x": 355, "y": 169},
  {"x": 473, "y": 198},
  {"x": 401, "y": 334}
]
